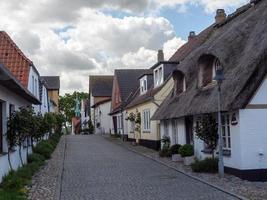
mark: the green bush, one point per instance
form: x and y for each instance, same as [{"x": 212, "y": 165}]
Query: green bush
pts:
[
  {"x": 207, "y": 165},
  {"x": 13, "y": 182},
  {"x": 186, "y": 150},
  {"x": 165, "y": 152},
  {"x": 44, "y": 148},
  {"x": 175, "y": 149},
  {"x": 36, "y": 158}
]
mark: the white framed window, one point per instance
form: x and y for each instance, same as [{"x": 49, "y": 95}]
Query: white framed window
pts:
[
  {"x": 226, "y": 132},
  {"x": 166, "y": 127},
  {"x": 143, "y": 85},
  {"x": 216, "y": 66},
  {"x": 33, "y": 87},
  {"x": 175, "y": 131},
  {"x": 158, "y": 76},
  {"x": 146, "y": 120},
  {"x": 132, "y": 126},
  {"x": 36, "y": 88}
]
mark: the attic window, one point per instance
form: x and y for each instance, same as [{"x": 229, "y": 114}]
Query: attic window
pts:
[
  {"x": 208, "y": 64},
  {"x": 158, "y": 76},
  {"x": 143, "y": 85},
  {"x": 179, "y": 82}
]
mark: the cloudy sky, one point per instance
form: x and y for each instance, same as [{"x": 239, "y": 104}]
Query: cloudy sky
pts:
[{"x": 76, "y": 38}]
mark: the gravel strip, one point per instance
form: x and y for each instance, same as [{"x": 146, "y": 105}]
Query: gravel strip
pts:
[
  {"x": 247, "y": 189},
  {"x": 45, "y": 184}
]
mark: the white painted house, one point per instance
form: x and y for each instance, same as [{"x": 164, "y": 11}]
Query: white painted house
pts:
[
  {"x": 100, "y": 91},
  {"x": 243, "y": 92},
  {"x": 12, "y": 96}
]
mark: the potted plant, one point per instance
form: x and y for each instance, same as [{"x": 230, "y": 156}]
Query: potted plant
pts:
[
  {"x": 176, "y": 156},
  {"x": 187, "y": 152}
]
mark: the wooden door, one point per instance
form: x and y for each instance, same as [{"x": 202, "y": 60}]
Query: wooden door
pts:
[
  {"x": 189, "y": 129},
  {"x": 1, "y": 128},
  {"x": 115, "y": 124}
]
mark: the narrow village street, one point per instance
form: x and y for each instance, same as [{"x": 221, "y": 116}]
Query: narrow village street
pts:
[{"x": 95, "y": 168}]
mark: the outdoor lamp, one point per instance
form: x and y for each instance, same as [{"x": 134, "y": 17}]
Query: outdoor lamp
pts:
[{"x": 219, "y": 77}]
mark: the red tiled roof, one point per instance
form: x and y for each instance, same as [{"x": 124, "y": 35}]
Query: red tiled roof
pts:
[{"x": 14, "y": 59}]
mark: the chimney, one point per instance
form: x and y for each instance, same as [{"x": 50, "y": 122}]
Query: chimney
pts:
[
  {"x": 160, "y": 56},
  {"x": 192, "y": 34},
  {"x": 220, "y": 16}
]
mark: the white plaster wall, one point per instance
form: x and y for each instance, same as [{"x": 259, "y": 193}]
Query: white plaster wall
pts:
[
  {"x": 104, "y": 119},
  {"x": 233, "y": 161},
  {"x": 7, "y": 97},
  {"x": 34, "y": 74},
  {"x": 44, "y": 106},
  {"x": 260, "y": 97},
  {"x": 253, "y": 130}
]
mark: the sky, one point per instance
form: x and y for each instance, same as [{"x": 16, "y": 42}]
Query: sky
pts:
[{"x": 77, "y": 38}]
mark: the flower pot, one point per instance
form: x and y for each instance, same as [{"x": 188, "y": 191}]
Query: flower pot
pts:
[
  {"x": 177, "y": 158},
  {"x": 188, "y": 160}
]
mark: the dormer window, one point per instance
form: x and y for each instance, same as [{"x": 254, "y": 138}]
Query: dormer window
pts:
[
  {"x": 158, "y": 76},
  {"x": 208, "y": 64},
  {"x": 143, "y": 85},
  {"x": 179, "y": 82}
]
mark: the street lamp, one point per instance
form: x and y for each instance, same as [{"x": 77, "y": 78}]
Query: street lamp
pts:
[{"x": 219, "y": 77}]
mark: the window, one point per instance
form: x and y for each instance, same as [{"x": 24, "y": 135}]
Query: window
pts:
[
  {"x": 158, "y": 76},
  {"x": 175, "y": 131},
  {"x": 143, "y": 85},
  {"x": 180, "y": 83},
  {"x": 226, "y": 134},
  {"x": 32, "y": 90},
  {"x": 132, "y": 126},
  {"x": 36, "y": 88},
  {"x": 166, "y": 128},
  {"x": 146, "y": 120},
  {"x": 11, "y": 109},
  {"x": 208, "y": 64}
]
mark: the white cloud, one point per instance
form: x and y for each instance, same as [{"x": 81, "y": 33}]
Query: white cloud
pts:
[{"x": 75, "y": 38}]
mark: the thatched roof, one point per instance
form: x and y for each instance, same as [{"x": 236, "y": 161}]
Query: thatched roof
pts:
[{"x": 240, "y": 43}]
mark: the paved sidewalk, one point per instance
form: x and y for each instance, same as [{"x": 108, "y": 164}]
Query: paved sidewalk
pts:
[{"x": 97, "y": 169}]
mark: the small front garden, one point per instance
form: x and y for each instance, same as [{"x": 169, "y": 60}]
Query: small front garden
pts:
[{"x": 27, "y": 130}]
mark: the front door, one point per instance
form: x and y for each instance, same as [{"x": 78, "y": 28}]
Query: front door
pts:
[
  {"x": 1, "y": 128},
  {"x": 189, "y": 129},
  {"x": 115, "y": 124}
]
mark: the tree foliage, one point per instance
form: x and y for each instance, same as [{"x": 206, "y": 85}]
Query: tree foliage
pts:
[
  {"x": 206, "y": 130},
  {"x": 67, "y": 104}
]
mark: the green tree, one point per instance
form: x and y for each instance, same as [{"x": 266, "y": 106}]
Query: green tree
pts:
[
  {"x": 67, "y": 105},
  {"x": 206, "y": 130}
]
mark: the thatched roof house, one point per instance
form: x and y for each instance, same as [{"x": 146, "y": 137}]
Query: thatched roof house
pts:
[{"x": 240, "y": 44}]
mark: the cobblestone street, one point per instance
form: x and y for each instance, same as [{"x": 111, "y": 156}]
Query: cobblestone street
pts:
[{"x": 95, "y": 168}]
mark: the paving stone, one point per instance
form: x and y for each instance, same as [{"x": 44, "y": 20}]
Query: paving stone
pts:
[{"x": 97, "y": 169}]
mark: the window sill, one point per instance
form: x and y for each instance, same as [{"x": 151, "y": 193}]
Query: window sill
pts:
[
  {"x": 226, "y": 153},
  {"x": 146, "y": 132},
  {"x": 209, "y": 86},
  {"x": 207, "y": 151}
]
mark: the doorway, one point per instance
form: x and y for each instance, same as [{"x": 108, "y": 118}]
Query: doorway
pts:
[
  {"x": 115, "y": 124},
  {"x": 189, "y": 129},
  {"x": 1, "y": 128}
]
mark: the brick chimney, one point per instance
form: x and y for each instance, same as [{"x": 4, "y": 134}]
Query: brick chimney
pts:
[
  {"x": 191, "y": 35},
  {"x": 160, "y": 55},
  {"x": 220, "y": 16}
]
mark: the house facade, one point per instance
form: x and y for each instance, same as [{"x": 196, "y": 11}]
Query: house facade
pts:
[
  {"x": 22, "y": 68},
  {"x": 100, "y": 91},
  {"x": 52, "y": 84},
  {"x": 125, "y": 84},
  {"x": 13, "y": 95},
  {"x": 154, "y": 87},
  {"x": 243, "y": 92}
]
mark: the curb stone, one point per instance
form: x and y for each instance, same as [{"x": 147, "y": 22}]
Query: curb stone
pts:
[
  {"x": 59, "y": 179},
  {"x": 184, "y": 173}
]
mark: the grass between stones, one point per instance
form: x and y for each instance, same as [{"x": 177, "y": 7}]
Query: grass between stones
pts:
[{"x": 13, "y": 186}]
